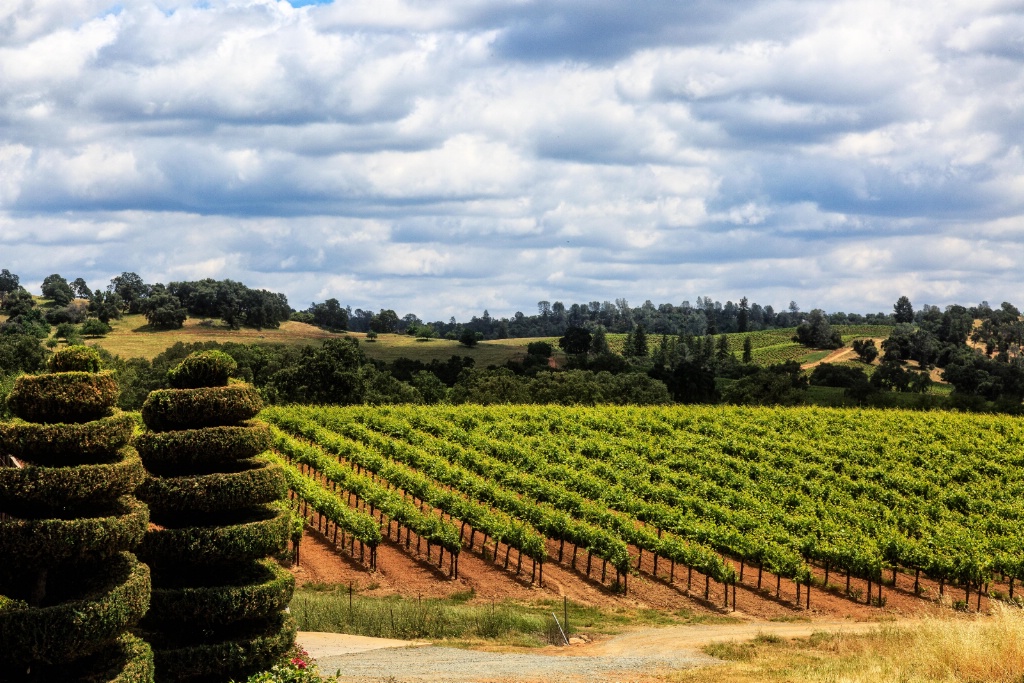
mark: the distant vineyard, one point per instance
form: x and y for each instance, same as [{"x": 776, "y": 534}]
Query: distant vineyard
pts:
[{"x": 789, "y": 491}]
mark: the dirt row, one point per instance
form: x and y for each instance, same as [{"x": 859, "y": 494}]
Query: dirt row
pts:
[{"x": 404, "y": 571}]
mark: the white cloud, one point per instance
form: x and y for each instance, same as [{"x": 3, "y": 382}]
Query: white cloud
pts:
[{"x": 451, "y": 157}]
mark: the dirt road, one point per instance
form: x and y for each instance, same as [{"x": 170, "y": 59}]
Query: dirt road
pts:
[{"x": 634, "y": 656}]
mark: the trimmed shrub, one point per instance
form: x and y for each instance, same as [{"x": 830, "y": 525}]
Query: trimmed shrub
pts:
[
  {"x": 239, "y": 657},
  {"x": 48, "y": 542},
  {"x": 264, "y": 589},
  {"x": 75, "y": 359},
  {"x": 173, "y": 409},
  {"x": 63, "y": 397},
  {"x": 76, "y": 628},
  {"x": 67, "y": 444},
  {"x": 37, "y": 491},
  {"x": 263, "y": 534},
  {"x": 256, "y": 482},
  {"x": 203, "y": 369},
  {"x": 202, "y": 450}
]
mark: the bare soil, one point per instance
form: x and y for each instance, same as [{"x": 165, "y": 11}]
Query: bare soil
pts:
[{"x": 404, "y": 571}]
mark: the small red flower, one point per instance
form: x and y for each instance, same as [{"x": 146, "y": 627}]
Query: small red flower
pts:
[{"x": 298, "y": 663}]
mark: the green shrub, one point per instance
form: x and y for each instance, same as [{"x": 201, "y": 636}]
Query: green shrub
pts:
[
  {"x": 78, "y": 627},
  {"x": 259, "y": 592},
  {"x": 75, "y": 359},
  {"x": 34, "y": 491},
  {"x": 172, "y": 409},
  {"x": 203, "y": 369},
  {"x": 202, "y": 450},
  {"x": 26, "y": 543},
  {"x": 243, "y": 655},
  {"x": 264, "y": 533},
  {"x": 94, "y": 327},
  {"x": 63, "y": 397},
  {"x": 67, "y": 444},
  {"x": 257, "y": 482}
]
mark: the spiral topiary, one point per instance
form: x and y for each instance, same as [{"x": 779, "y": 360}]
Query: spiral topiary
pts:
[
  {"x": 70, "y": 590},
  {"x": 218, "y": 607}
]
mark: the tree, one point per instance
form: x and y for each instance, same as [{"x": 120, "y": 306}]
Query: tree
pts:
[
  {"x": 599, "y": 342},
  {"x": 164, "y": 311},
  {"x": 106, "y": 306},
  {"x": 865, "y": 350},
  {"x": 469, "y": 337},
  {"x": 81, "y": 289},
  {"x": 576, "y": 341},
  {"x": 94, "y": 328},
  {"x": 132, "y": 290},
  {"x": 384, "y": 322},
  {"x": 743, "y": 316},
  {"x": 539, "y": 348},
  {"x": 817, "y": 333},
  {"x": 748, "y": 350},
  {"x": 330, "y": 315},
  {"x": 9, "y": 282},
  {"x": 57, "y": 289},
  {"x": 903, "y": 310}
]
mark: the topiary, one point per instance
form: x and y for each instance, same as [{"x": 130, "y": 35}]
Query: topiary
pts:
[
  {"x": 75, "y": 359},
  {"x": 217, "y": 517},
  {"x": 203, "y": 369},
  {"x": 69, "y": 590}
]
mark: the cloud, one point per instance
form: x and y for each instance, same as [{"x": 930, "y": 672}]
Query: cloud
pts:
[{"x": 443, "y": 158}]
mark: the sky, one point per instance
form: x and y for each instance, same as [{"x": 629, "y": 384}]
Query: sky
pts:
[{"x": 444, "y": 158}]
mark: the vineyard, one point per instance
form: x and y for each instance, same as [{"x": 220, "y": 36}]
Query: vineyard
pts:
[{"x": 700, "y": 498}]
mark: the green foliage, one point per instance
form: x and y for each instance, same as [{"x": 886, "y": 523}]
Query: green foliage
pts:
[
  {"x": 817, "y": 333},
  {"x": 67, "y": 444},
  {"x": 164, "y": 311},
  {"x": 29, "y": 543},
  {"x": 263, "y": 532},
  {"x": 576, "y": 340},
  {"x": 539, "y": 348},
  {"x": 469, "y": 338},
  {"x": 203, "y": 369},
  {"x": 20, "y": 353},
  {"x": 903, "y": 310},
  {"x": 830, "y": 375},
  {"x": 210, "y": 449},
  {"x": 34, "y": 491},
  {"x": 865, "y": 349},
  {"x": 75, "y": 359},
  {"x": 93, "y": 327},
  {"x": 252, "y": 593},
  {"x": 57, "y": 289},
  {"x": 63, "y": 397},
  {"x": 178, "y": 498},
  {"x": 169, "y": 409},
  {"x": 81, "y": 626},
  {"x": 244, "y": 654}
]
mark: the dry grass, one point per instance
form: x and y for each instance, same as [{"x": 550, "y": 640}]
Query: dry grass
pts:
[
  {"x": 133, "y": 338},
  {"x": 950, "y": 650}
]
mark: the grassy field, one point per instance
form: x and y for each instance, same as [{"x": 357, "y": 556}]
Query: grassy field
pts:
[
  {"x": 947, "y": 650},
  {"x": 133, "y": 338}
]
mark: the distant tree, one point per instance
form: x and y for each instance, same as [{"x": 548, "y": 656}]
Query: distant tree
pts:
[
  {"x": 829, "y": 375},
  {"x": 575, "y": 341},
  {"x": 384, "y": 322},
  {"x": 748, "y": 350},
  {"x": 81, "y": 289},
  {"x": 817, "y": 333},
  {"x": 330, "y": 315},
  {"x": 132, "y": 290},
  {"x": 20, "y": 353},
  {"x": 94, "y": 328},
  {"x": 18, "y": 302},
  {"x": 432, "y": 390},
  {"x": 164, "y": 311},
  {"x": 865, "y": 349},
  {"x": 329, "y": 374},
  {"x": 599, "y": 341},
  {"x": 106, "y": 306},
  {"x": 57, "y": 289},
  {"x": 743, "y": 316},
  {"x": 903, "y": 310},
  {"x": 469, "y": 337},
  {"x": 640, "y": 346},
  {"x": 9, "y": 282},
  {"x": 539, "y": 348}
]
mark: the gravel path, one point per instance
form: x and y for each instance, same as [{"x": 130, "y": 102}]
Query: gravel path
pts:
[{"x": 432, "y": 664}]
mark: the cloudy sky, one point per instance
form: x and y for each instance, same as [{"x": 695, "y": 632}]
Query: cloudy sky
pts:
[{"x": 447, "y": 157}]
